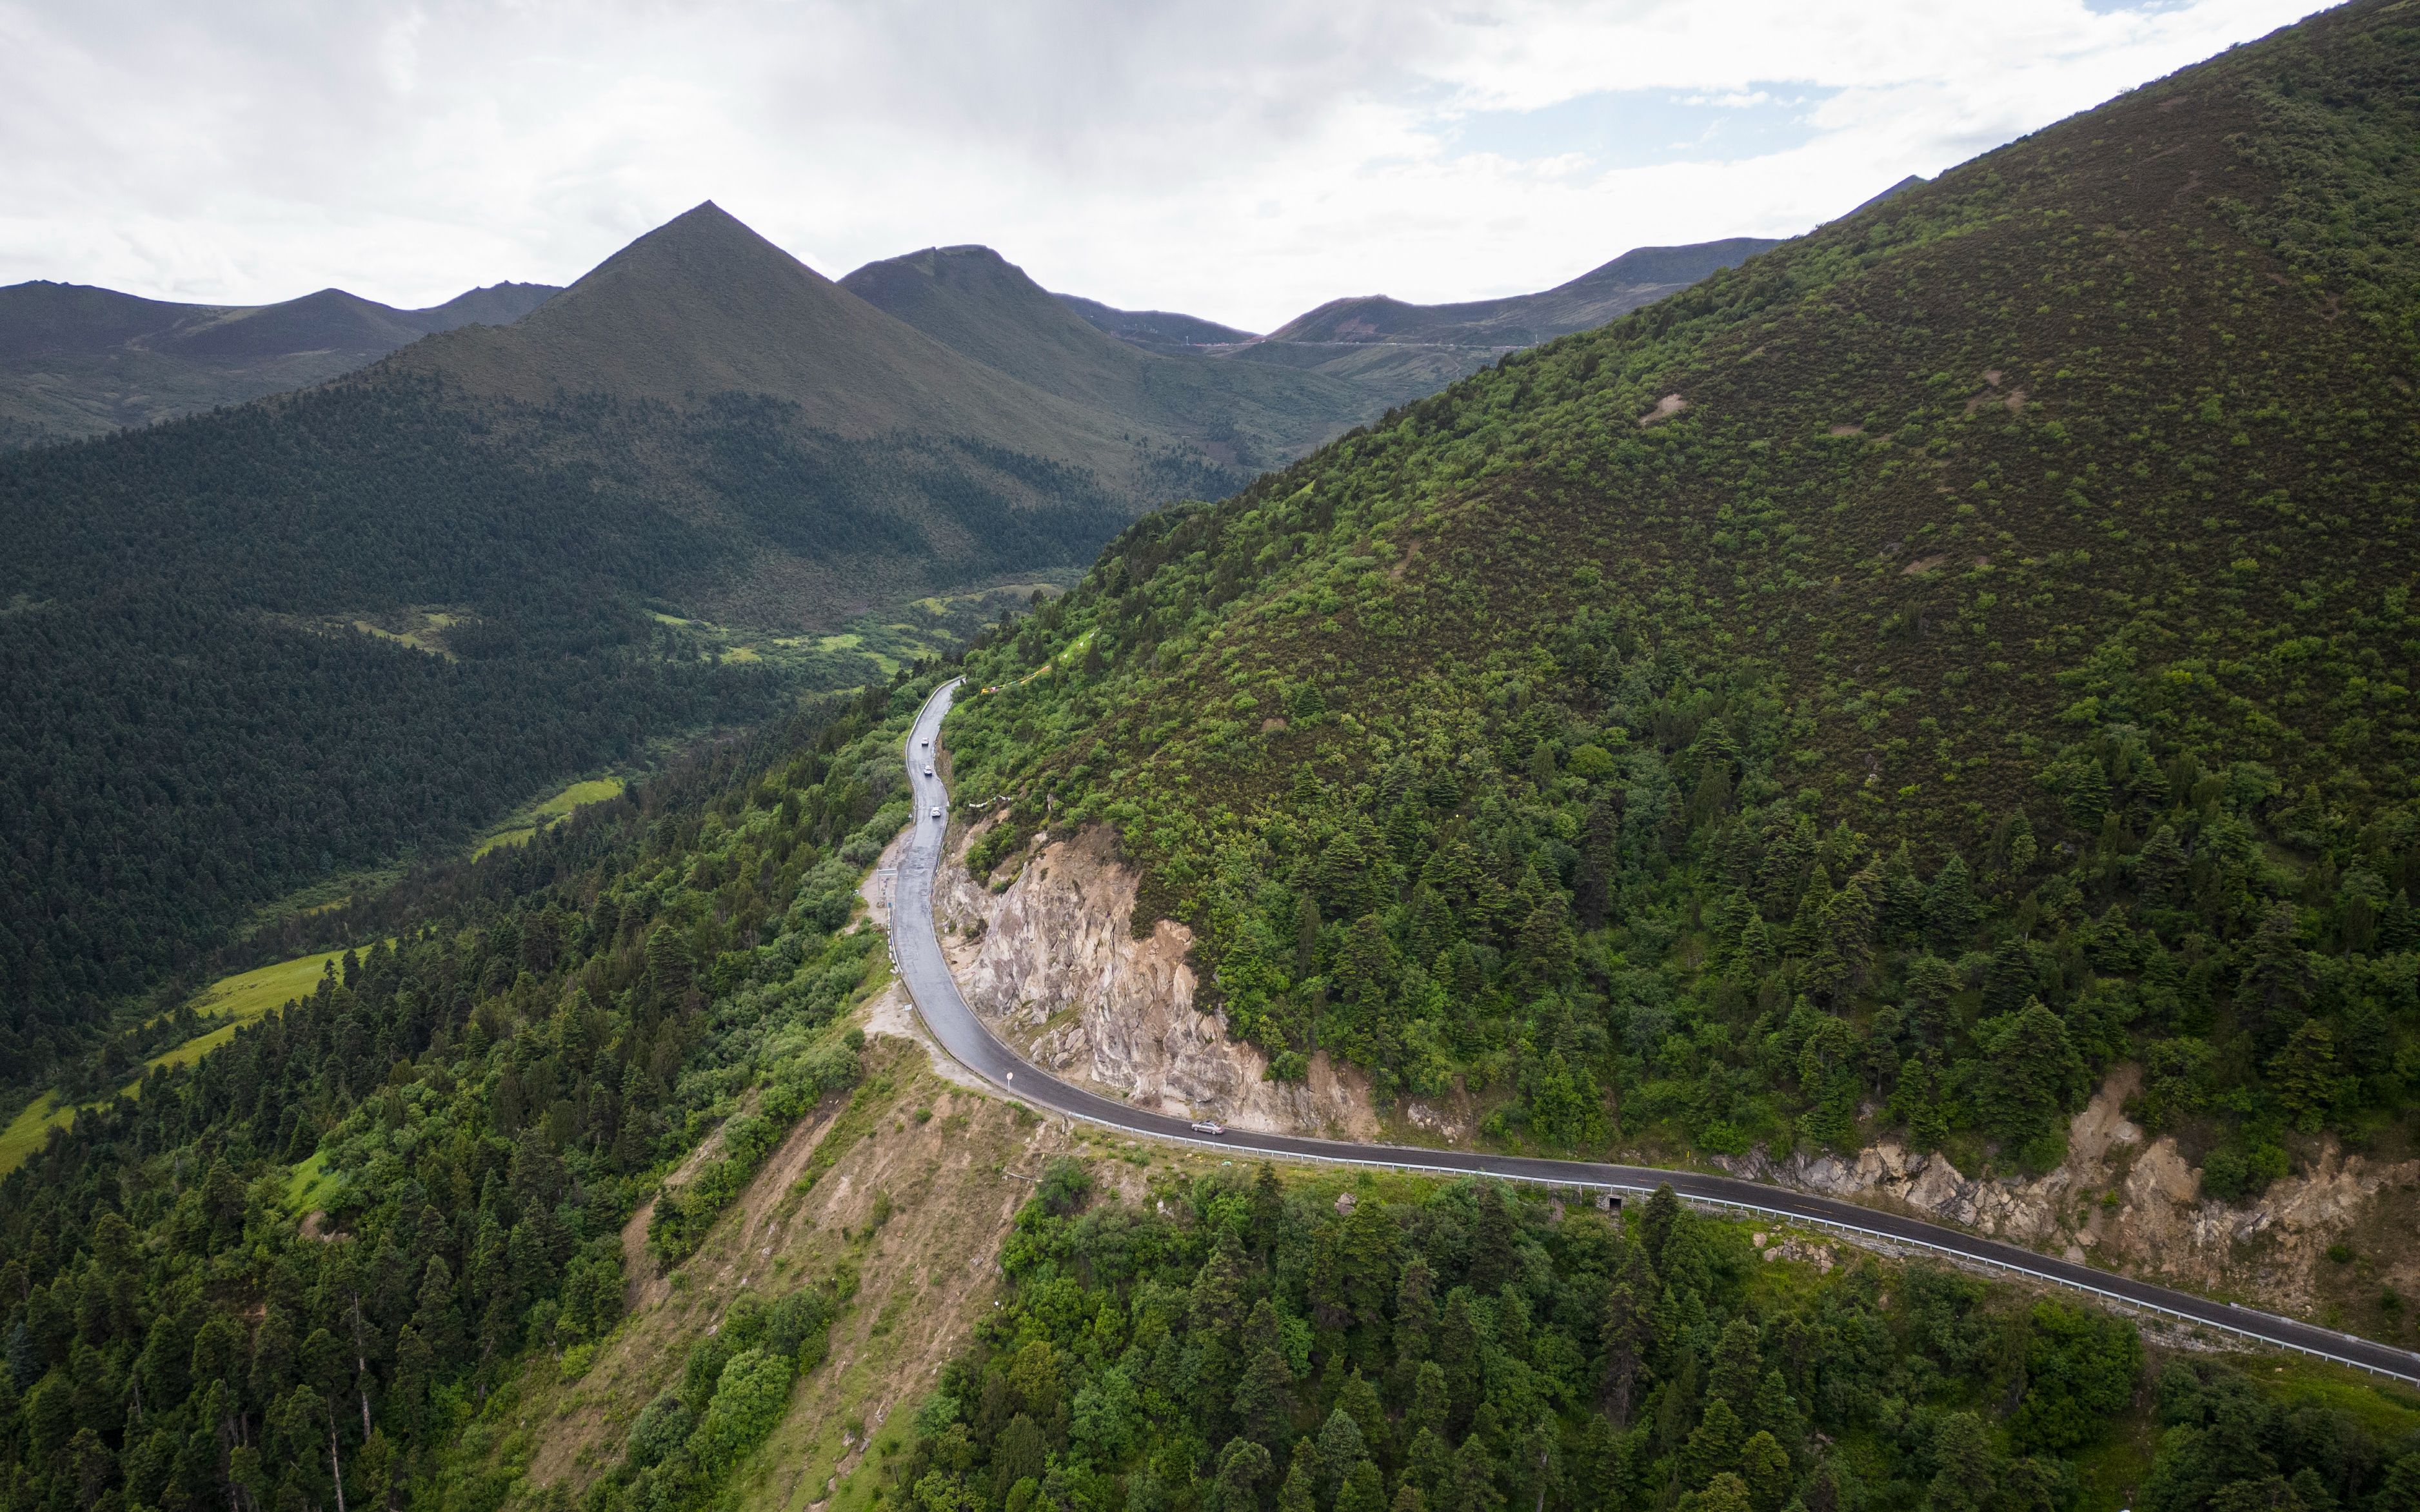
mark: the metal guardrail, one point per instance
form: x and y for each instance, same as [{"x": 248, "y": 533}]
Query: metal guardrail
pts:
[{"x": 1782, "y": 1215}]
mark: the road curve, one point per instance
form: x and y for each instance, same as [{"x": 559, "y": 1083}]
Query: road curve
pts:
[{"x": 925, "y": 972}]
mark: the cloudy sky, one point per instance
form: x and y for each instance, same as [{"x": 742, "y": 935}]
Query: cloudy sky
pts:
[{"x": 1237, "y": 159}]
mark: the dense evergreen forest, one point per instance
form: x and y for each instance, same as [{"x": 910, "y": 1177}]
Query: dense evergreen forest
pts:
[
  {"x": 191, "y": 732},
  {"x": 1948, "y": 653},
  {"x": 1237, "y": 1348},
  {"x": 308, "y": 1258},
  {"x": 166, "y": 769},
  {"x": 287, "y": 1278}
]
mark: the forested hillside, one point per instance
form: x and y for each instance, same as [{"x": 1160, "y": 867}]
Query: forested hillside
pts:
[
  {"x": 312, "y": 1254},
  {"x": 325, "y": 1263},
  {"x": 1467, "y": 1349},
  {"x": 196, "y": 727},
  {"x": 77, "y": 360},
  {"x": 1952, "y": 652},
  {"x": 979, "y": 304}
]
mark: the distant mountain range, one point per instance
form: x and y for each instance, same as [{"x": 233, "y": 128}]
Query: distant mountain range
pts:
[
  {"x": 981, "y": 305},
  {"x": 1156, "y": 329},
  {"x": 78, "y": 361},
  {"x": 1406, "y": 351},
  {"x": 528, "y": 482}
]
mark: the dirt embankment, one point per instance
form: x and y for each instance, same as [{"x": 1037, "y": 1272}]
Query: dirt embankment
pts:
[
  {"x": 903, "y": 1193},
  {"x": 912, "y": 1207},
  {"x": 2135, "y": 1205},
  {"x": 1052, "y": 965}
]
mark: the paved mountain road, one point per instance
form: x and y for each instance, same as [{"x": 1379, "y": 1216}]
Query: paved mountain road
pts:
[{"x": 926, "y": 973}]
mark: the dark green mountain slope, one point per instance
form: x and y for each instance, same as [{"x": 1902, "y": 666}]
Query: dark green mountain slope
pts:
[
  {"x": 1409, "y": 350},
  {"x": 344, "y": 1257},
  {"x": 474, "y": 1106},
  {"x": 1954, "y": 650},
  {"x": 703, "y": 305},
  {"x": 702, "y": 425},
  {"x": 76, "y": 361},
  {"x": 980, "y": 306}
]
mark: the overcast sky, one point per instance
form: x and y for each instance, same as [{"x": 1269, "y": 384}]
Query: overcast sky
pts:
[{"x": 1241, "y": 160}]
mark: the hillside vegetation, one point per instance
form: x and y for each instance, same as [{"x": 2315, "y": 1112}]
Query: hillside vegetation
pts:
[
  {"x": 1406, "y": 351},
  {"x": 1411, "y": 1347},
  {"x": 701, "y": 426},
  {"x": 381, "y": 1248},
  {"x": 313, "y": 1253},
  {"x": 980, "y": 306},
  {"x": 77, "y": 361},
  {"x": 1949, "y": 653}
]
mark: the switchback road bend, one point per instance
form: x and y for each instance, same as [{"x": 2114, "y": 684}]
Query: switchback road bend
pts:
[{"x": 926, "y": 974}]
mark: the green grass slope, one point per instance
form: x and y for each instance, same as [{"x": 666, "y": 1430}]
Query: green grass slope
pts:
[
  {"x": 1958, "y": 649},
  {"x": 977, "y": 303}
]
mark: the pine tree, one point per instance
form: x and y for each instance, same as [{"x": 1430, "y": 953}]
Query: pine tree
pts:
[
  {"x": 2303, "y": 1075},
  {"x": 1713, "y": 1447},
  {"x": 2399, "y": 928},
  {"x": 2030, "y": 1075},
  {"x": 1263, "y": 1403},
  {"x": 1764, "y": 1469},
  {"x": 2010, "y": 979},
  {"x": 1296, "y": 1495},
  {"x": 1364, "y": 1490},
  {"x": 1472, "y": 1488},
  {"x": 1949, "y": 907},
  {"x": 2087, "y": 796},
  {"x": 1341, "y": 1448},
  {"x": 2279, "y": 981},
  {"x": 1360, "y": 1400},
  {"x": 1738, "y": 1367},
  {"x": 1495, "y": 1257},
  {"x": 1623, "y": 1344},
  {"x": 2159, "y": 869}
]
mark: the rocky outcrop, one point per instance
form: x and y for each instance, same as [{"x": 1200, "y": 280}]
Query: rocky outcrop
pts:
[
  {"x": 1050, "y": 964},
  {"x": 2134, "y": 1204}
]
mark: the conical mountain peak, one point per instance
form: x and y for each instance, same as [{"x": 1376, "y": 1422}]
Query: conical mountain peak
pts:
[{"x": 703, "y": 304}]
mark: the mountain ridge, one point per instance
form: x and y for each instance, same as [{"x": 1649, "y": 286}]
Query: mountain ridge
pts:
[
  {"x": 977, "y": 303},
  {"x": 78, "y": 360},
  {"x": 1863, "y": 695}
]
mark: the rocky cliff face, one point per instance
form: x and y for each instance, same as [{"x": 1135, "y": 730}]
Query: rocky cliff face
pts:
[
  {"x": 2134, "y": 1204},
  {"x": 1050, "y": 964}
]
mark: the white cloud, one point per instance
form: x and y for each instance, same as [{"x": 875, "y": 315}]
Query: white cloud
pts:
[{"x": 1241, "y": 159}]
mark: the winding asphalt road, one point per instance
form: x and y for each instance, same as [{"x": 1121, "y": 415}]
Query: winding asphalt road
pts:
[{"x": 926, "y": 973}]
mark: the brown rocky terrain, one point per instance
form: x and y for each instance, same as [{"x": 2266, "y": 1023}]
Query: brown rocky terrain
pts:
[
  {"x": 1048, "y": 961},
  {"x": 2135, "y": 1205}
]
